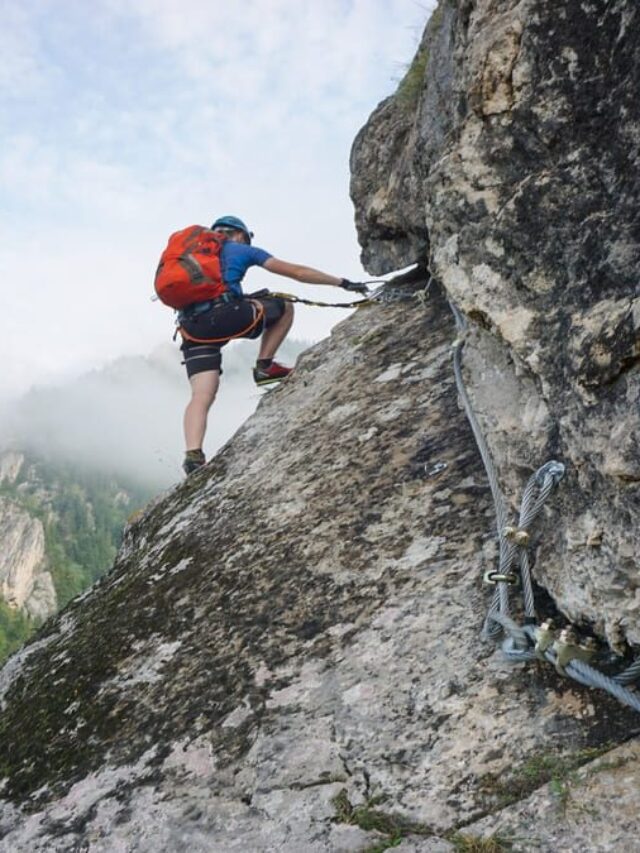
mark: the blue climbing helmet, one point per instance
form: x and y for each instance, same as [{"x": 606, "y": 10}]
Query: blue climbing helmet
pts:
[{"x": 234, "y": 224}]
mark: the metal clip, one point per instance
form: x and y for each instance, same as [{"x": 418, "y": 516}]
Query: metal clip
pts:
[
  {"x": 568, "y": 648},
  {"x": 437, "y": 468},
  {"x": 516, "y": 535},
  {"x": 545, "y": 636},
  {"x": 590, "y": 647},
  {"x": 493, "y": 577}
]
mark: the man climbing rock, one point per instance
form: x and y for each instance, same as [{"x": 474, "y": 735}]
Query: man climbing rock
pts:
[{"x": 200, "y": 274}]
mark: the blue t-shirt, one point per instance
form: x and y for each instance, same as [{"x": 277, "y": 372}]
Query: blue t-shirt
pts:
[{"x": 235, "y": 260}]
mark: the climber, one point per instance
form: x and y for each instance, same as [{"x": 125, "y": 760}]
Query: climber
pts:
[{"x": 200, "y": 274}]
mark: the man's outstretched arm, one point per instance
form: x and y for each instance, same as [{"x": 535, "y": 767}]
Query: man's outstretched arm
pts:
[{"x": 307, "y": 275}]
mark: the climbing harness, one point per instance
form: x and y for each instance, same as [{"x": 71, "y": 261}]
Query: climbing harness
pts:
[
  {"x": 385, "y": 294},
  {"x": 258, "y": 316},
  {"x": 531, "y": 641}
]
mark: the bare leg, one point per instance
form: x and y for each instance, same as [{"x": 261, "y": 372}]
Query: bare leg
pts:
[
  {"x": 204, "y": 387},
  {"x": 273, "y": 337}
]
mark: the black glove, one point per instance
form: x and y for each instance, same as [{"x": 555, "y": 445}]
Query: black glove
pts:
[{"x": 354, "y": 286}]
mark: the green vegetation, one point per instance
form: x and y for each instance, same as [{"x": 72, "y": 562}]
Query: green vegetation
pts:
[
  {"x": 394, "y": 828},
  {"x": 408, "y": 92},
  {"x": 610, "y": 764},
  {"x": 558, "y": 770},
  {"x": 411, "y": 85},
  {"x": 83, "y": 514},
  {"x": 555, "y": 769},
  {"x": 15, "y": 628},
  {"x": 372, "y": 819},
  {"x": 464, "y": 843}
]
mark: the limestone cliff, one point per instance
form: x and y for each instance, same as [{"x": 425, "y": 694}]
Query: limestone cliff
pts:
[
  {"x": 60, "y": 527},
  {"x": 25, "y": 582},
  {"x": 11, "y": 464},
  {"x": 286, "y": 655}
]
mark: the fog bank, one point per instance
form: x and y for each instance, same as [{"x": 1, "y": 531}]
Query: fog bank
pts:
[{"x": 126, "y": 418}]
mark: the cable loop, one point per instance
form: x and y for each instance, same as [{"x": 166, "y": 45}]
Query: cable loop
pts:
[
  {"x": 565, "y": 651},
  {"x": 492, "y": 577}
]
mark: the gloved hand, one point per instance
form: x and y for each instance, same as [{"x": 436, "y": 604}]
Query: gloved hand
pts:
[{"x": 354, "y": 286}]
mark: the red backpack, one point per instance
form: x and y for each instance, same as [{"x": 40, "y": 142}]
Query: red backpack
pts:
[{"x": 189, "y": 268}]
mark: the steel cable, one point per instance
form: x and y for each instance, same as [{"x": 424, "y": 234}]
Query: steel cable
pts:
[
  {"x": 629, "y": 675},
  {"x": 500, "y": 601},
  {"x": 520, "y": 642}
]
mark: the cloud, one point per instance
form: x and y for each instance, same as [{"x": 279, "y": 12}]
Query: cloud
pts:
[
  {"x": 318, "y": 54},
  {"x": 22, "y": 71},
  {"x": 127, "y": 417},
  {"x": 129, "y": 121}
]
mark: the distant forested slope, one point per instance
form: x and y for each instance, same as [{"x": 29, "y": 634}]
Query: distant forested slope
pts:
[{"x": 83, "y": 514}]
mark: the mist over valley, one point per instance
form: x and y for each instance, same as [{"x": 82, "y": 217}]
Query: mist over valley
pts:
[{"x": 125, "y": 419}]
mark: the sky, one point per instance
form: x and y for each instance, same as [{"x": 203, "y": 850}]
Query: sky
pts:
[{"x": 122, "y": 122}]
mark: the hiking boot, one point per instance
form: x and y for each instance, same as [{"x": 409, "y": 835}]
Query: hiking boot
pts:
[
  {"x": 193, "y": 460},
  {"x": 273, "y": 373}
]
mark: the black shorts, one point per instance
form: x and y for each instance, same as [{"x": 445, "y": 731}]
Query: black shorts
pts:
[{"x": 226, "y": 320}]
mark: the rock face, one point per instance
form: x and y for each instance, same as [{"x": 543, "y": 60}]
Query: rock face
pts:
[
  {"x": 25, "y": 582},
  {"x": 10, "y": 466},
  {"x": 288, "y": 652},
  {"x": 286, "y": 655},
  {"x": 513, "y": 155}
]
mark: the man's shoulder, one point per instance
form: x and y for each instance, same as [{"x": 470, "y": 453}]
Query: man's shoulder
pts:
[{"x": 248, "y": 254}]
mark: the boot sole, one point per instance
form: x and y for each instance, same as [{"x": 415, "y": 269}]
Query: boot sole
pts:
[{"x": 269, "y": 381}]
